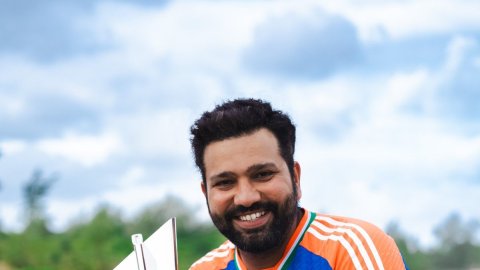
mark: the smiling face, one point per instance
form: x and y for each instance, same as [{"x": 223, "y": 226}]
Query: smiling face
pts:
[{"x": 250, "y": 193}]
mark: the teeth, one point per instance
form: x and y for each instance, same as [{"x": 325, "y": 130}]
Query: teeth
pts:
[{"x": 252, "y": 216}]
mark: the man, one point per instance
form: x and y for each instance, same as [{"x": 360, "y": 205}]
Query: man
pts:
[{"x": 244, "y": 150}]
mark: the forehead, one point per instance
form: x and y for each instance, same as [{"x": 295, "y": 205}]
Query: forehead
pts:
[{"x": 238, "y": 153}]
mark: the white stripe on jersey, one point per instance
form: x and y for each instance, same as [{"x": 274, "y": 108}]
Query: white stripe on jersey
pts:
[
  {"x": 344, "y": 243},
  {"x": 365, "y": 235},
  {"x": 353, "y": 236}
]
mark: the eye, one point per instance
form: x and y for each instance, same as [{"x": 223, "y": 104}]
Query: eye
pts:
[
  {"x": 224, "y": 184},
  {"x": 263, "y": 175}
]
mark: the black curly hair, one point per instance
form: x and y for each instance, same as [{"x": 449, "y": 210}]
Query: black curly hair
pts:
[{"x": 240, "y": 117}]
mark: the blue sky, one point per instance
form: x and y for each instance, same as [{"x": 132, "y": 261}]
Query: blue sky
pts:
[{"x": 102, "y": 93}]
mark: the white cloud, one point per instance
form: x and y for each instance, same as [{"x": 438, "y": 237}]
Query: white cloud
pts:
[
  {"x": 12, "y": 147},
  {"x": 87, "y": 150},
  {"x": 132, "y": 176},
  {"x": 10, "y": 217},
  {"x": 456, "y": 54},
  {"x": 155, "y": 133},
  {"x": 11, "y": 105},
  {"x": 400, "y": 90},
  {"x": 401, "y": 19},
  {"x": 187, "y": 33},
  {"x": 303, "y": 45}
]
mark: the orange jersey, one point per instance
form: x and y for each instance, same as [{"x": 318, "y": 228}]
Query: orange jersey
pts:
[{"x": 321, "y": 242}]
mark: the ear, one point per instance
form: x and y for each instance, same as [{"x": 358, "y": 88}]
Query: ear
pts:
[
  {"x": 204, "y": 188},
  {"x": 296, "y": 175}
]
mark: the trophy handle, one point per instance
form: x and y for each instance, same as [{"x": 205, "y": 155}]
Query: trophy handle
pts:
[{"x": 137, "y": 240}]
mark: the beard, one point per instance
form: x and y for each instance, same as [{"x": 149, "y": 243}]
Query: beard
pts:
[{"x": 266, "y": 237}]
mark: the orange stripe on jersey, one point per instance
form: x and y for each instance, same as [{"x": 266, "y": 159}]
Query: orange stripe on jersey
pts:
[
  {"x": 362, "y": 242},
  {"x": 335, "y": 249},
  {"x": 351, "y": 244}
]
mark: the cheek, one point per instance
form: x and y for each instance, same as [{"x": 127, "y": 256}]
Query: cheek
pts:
[
  {"x": 278, "y": 190},
  {"x": 217, "y": 202}
]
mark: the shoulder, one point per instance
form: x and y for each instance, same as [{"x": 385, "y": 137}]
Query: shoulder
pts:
[
  {"x": 348, "y": 241},
  {"x": 218, "y": 258}
]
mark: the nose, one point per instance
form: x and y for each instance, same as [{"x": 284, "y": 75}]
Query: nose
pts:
[{"x": 246, "y": 194}]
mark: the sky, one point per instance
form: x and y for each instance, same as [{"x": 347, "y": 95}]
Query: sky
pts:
[{"x": 101, "y": 95}]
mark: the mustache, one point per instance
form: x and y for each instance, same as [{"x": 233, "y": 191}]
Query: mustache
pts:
[{"x": 239, "y": 210}]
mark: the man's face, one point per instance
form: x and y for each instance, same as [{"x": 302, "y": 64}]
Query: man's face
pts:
[{"x": 249, "y": 191}]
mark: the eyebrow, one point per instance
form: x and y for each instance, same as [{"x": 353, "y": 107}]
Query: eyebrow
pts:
[{"x": 262, "y": 166}]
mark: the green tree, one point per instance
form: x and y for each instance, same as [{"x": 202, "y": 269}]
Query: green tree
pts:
[
  {"x": 100, "y": 243},
  {"x": 34, "y": 192},
  {"x": 413, "y": 256},
  {"x": 457, "y": 249},
  {"x": 34, "y": 247}
]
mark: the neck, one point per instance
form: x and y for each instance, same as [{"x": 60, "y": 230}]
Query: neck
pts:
[{"x": 268, "y": 258}]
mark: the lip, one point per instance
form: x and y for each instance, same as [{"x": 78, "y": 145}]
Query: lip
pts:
[{"x": 252, "y": 224}]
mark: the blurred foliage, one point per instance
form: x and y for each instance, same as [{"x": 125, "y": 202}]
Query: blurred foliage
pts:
[
  {"x": 457, "y": 248},
  {"x": 34, "y": 191},
  {"x": 102, "y": 241}
]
